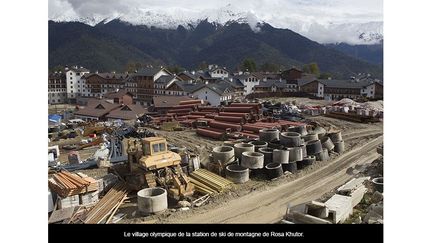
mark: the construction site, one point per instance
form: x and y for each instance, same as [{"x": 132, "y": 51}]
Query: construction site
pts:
[{"x": 277, "y": 161}]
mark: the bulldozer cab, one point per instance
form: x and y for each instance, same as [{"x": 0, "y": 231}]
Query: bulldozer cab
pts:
[
  {"x": 156, "y": 154},
  {"x": 154, "y": 146}
]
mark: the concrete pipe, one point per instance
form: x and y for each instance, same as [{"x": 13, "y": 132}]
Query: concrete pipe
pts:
[
  {"x": 335, "y": 136},
  {"x": 323, "y": 155},
  {"x": 327, "y": 143},
  {"x": 275, "y": 144},
  {"x": 237, "y": 173},
  {"x": 298, "y": 129},
  {"x": 223, "y": 154},
  {"x": 258, "y": 144},
  {"x": 310, "y": 137},
  {"x": 313, "y": 147},
  {"x": 252, "y": 160},
  {"x": 268, "y": 155},
  {"x": 309, "y": 160},
  {"x": 320, "y": 131},
  {"x": 268, "y": 134},
  {"x": 152, "y": 200},
  {"x": 274, "y": 170},
  {"x": 281, "y": 156},
  {"x": 378, "y": 184},
  {"x": 291, "y": 167},
  {"x": 300, "y": 165},
  {"x": 290, "y": 139},
  {"x": 239, "y": 148},
  {"x": 339, "y": 147},
  {"x": 295, "y": 154},
  {"x": 304, "y": 150}
]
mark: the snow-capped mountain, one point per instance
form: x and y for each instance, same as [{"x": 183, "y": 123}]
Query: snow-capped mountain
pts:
[{"x": 171, "y": 18}]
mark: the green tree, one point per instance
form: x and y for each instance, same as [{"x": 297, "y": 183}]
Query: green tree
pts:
[
  {"x": 311, "y": 68},
  {"x": 249, "y": 65},
  {"x": 314, "y": 69}
]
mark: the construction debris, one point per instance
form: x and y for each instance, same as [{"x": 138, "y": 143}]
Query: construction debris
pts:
[
  {"x": 67, "y": 184},
  {"x": 107, "y": 205}
]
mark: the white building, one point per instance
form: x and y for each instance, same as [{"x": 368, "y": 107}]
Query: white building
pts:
[
  {"x": 249, "y": 81},
  {"x": 217, "y": 72},
  {"x": 74, "y": 82},
  {"x": 215, "y": 94},
  {"x": 57, "y": 88}
]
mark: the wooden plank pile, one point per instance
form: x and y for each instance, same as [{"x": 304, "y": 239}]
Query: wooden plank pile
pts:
[
  {"x": 208, "y": 182},
  {"x": 67, "y": 184},
  {"x": 108, "y": 205}
]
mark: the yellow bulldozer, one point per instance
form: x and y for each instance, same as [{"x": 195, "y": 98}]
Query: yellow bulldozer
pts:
[{"x": 151, "y": 163}]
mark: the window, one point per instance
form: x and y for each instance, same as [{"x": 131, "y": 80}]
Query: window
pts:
[
  {"x": 155, "y": 148},
  {"x": 162, "y": 147},
  {"x": 71, "y": 87},
  {"x": 70, "y": 77}
]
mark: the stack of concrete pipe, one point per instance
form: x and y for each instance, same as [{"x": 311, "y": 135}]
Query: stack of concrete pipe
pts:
[
  {"x": 239, "y": 148},
  {"x": 339, "y": 144},
  {"x": 277, "y": 152}
]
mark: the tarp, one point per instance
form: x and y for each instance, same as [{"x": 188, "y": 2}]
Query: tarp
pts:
[{"x": 54, "y": 118}]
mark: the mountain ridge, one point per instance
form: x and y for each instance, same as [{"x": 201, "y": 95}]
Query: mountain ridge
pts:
[{"x": 226, "y": 45}]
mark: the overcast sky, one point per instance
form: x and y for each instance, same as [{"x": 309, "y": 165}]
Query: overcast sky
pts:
[{"x": 317, "y": 19}]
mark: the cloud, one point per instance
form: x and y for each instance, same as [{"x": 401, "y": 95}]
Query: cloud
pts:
[{"x": 320, "y": 20}]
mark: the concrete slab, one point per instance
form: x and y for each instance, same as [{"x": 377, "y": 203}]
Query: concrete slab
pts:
[
  {"x": 340, "y": 207},
  {"x": 352, "y": 185},
  {"x": 357, "y": 195},
  {"x": 317, "y": 209}
]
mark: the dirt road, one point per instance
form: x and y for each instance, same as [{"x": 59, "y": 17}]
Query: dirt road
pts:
[{"x": 270, "y": 205}]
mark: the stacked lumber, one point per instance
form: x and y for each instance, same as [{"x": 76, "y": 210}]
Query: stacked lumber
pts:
[
  {"x": 108, "y": 205},
  {"x": 68, "y": 184},
  {"x": 208, "y": 182}
]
